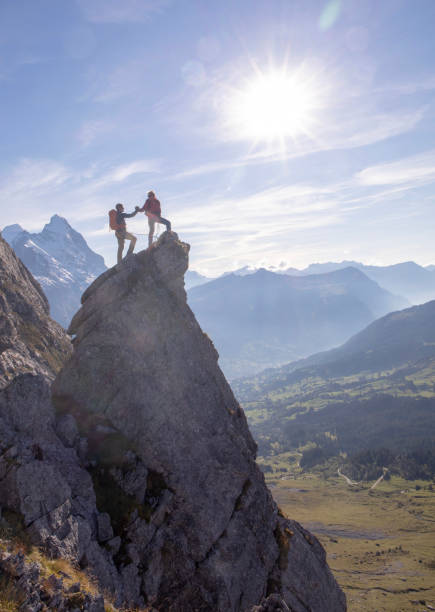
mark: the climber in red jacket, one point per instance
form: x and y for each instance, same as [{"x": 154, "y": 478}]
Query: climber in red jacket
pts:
[{"x": 153, "y": 212}]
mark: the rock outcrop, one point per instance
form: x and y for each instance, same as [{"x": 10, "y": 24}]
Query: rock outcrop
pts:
[
  {"x": 30, "y": 341},
  {"x": 44, "y": 485},
  {"x": 28, "y": 587},
  {"x": 183, "y": 508}
]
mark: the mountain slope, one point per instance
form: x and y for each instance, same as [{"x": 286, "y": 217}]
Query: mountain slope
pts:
[
  {"x": 378, "y": 389},
  {"x": 415, "y": 283},
  {"x": 60, "y": 260},
  {"x": 194, "y": 279},
  {"x": 399, "y": 338},
  {"x": 264, "y": 319}
]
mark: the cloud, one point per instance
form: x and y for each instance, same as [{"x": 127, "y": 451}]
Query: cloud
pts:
[
  {"x": 91, "y": 130},
  {"x": 409, "y": 172},
  {"x": 37, "y": 188},
  {"x": 284, "y": 221},
  {"x": 33, "y": 175},
  {"x": 362, "y": 129},
  {"x": 121, "y": 11},
  {"x": 350, "y": 132},
  {"x": 140, "y": 166},
  {"x": 267, "y": 212}
]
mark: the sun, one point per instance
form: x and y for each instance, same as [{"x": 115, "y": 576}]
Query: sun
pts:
[{"x": 277, "y": 105}]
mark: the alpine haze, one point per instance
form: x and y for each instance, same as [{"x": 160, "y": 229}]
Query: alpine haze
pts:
[{"x": 266, "y": 319}]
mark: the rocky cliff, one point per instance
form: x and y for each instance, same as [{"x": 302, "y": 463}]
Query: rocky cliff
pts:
[
  {"x": 186, "y": 518},
  {"x": 46, "y": 492},
  {"x": 30, "y": 341}
]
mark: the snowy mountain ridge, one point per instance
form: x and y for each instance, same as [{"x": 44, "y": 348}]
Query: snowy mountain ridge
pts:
[{"x": 61, "y": 261}]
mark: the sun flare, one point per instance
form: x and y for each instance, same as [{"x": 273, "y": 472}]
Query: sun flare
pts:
[{"x": 273, "y": 106}]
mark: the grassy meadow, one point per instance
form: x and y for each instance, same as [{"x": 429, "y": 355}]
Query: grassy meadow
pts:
[{"x": 380, "y": 543}]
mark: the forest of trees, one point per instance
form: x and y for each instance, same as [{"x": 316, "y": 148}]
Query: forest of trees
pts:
[{"x": 384, "y": 431}]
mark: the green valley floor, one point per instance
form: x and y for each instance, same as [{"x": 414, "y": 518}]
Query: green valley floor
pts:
[{"x": 380, "y": 543}]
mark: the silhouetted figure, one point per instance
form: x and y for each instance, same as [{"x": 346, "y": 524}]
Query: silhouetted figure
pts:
[
  {"x": 153, "y": 212},
  {"x": 121, "y": 232}
]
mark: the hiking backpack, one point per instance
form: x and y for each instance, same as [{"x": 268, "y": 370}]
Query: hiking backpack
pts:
[{"x": 113, "y": 224}]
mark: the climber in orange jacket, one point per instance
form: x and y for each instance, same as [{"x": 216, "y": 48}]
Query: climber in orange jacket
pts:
[
  {"x": 117, "y": 222},
  {"x": 153, "y": 212}
]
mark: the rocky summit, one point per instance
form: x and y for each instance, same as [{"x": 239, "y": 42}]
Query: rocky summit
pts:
[{"x": 183, "y": 520}]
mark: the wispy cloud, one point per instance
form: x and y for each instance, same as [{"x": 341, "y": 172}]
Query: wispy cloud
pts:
[
  {"x": 124, "y": 171},
  {"x": 267, "y": 212},
  {"x": 33, "y": 175},
  {"x": 92, "y": 130},
  {"x": 409, "y": 172},
  {"x": 121, "y": 11},
  {"x": 226, "y": 231},
  {"x": 37, "y": 188},
  {"x": 350, "y": 132}
]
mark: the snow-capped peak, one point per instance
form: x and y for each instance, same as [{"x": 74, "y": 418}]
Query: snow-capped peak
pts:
[
  {"x": 58, "y": 225},
  {"x": 61, "y": 260}
]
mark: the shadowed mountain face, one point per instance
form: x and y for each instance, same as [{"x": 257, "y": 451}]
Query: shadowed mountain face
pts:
[
  {"x": 171, "y": 448},
  {"x": 60, "y": 260},
  {"x": 375, "y": 391},
  {"x": 265, "y": 319}
]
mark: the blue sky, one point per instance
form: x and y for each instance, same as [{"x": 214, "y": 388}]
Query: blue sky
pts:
[{"x": 102, "y": 100}]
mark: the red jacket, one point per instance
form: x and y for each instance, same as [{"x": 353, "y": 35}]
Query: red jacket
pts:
[{"x": 152, "y": 205}]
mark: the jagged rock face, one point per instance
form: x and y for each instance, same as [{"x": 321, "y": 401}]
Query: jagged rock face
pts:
[
  {"x": 30, "y": 342},
  {"x": 43, "y": 482},
  {"x": 33, "y": 591},
  {"x": 173, "y": 461}
]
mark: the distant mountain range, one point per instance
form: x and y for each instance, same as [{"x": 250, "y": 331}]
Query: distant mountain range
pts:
[
  {"x": 408, "y": 279},
  {"x": 415, "y": 283},
  {"x": 265, "y": 319},
  {"x": 60, "y": 259},
  {"x": 376, "y": 391},
  {"x": 256, "y": 318},
  {"x": 392, "y": 341},
  {"x": 194, "y": 279}
]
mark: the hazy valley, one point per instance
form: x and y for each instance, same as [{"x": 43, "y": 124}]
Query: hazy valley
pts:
[{"x": 346, "y": 440}]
